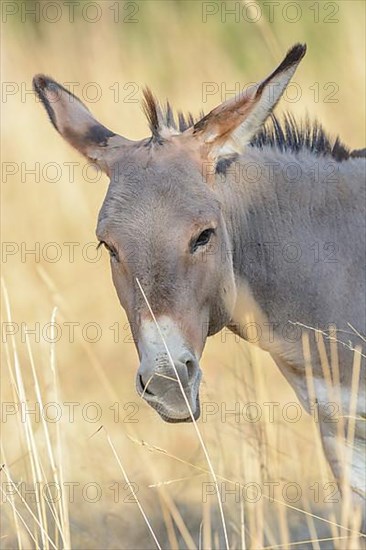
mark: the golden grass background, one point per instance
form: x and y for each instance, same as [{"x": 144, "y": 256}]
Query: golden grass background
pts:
[{"x": 172, "y": 50}]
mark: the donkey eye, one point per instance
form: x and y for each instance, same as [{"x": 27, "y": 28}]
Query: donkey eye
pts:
[
  {"x": 203, "y": 238},
  {"x": 112, "y": 251}
]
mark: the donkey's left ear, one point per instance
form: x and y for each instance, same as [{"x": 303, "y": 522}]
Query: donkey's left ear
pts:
[
  {"x": 73, "y": 120},
  {"x": 231, "y": 126}
]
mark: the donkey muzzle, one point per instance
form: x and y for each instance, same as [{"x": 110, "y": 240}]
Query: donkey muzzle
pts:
[{"x": 169, "y": 374}]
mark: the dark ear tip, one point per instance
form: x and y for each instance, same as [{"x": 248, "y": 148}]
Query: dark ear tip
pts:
[
  {"x": 293, "y": 57},
  {"x": 41, "y": 82},
  {"x": 297, "y": 52}
]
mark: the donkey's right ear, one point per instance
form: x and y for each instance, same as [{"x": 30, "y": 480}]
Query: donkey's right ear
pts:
[{"x": 73, "y": 120}]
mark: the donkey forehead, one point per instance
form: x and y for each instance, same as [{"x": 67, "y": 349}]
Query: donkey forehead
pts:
[
  {"x": 150, "y": 187},
  {"x": 163, "y": 162}
]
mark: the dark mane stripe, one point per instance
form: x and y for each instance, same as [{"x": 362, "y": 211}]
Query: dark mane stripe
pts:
[
  {"x": 291, "y": 135},
  {"x": 153, "y": 109},
  {"x": 285, "y": 134}
]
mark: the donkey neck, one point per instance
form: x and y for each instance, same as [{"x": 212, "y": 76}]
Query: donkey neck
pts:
[
  {"x": 288, "y": 217},
  {"x": 270, "y": 197}
]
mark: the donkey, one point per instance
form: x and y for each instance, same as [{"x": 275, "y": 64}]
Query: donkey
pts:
[{"x": 237, "y": 219}]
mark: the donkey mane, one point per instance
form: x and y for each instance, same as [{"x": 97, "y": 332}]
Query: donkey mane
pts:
[
  {"x": 159, "y": 116},
  {"x": 291, "y": 135},
  {"x": 285, "y": 134}
]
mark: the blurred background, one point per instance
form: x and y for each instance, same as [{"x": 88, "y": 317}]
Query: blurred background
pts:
[{"x": 196, "y": 54}]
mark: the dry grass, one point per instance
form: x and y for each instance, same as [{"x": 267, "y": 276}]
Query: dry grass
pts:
[{"x": 165, "y": 464}]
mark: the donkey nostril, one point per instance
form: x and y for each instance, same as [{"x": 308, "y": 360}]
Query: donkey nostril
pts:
[
  {"x": 191, "y": 367},
  {"x": 145, "y": 388}
]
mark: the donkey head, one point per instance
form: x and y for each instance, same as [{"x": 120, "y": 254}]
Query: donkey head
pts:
[{"x": 164, "y": 225}]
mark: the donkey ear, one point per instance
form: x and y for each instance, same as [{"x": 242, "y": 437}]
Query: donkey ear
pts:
[
  {"x": 231, "y": 125},
  {"x": 73, "y": 120}
]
